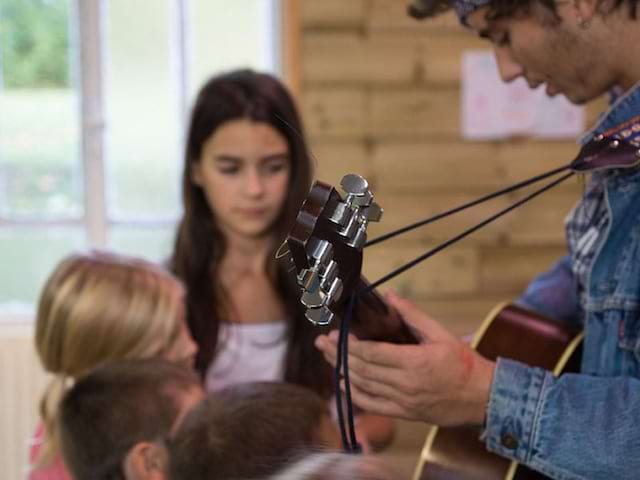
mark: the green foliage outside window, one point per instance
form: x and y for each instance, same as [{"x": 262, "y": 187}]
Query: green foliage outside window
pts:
[{"x": 34, "y": 43}]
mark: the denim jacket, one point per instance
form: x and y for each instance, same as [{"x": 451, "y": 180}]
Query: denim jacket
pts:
[{"x": 586, "y": 425}]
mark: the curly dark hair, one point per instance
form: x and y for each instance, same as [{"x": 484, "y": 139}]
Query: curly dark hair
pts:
[{"x": 421, "y": 9}]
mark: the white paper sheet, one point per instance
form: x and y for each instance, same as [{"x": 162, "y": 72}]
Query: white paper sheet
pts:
[{"x": 492, "y": 109}]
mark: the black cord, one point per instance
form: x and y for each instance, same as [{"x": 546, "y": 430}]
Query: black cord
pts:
[
  {"x": 473, "y": 203},
  {"x": 453, "y": 240},
  {"x": 347, "y": 432},
  {"x": 355, "y": 446}
]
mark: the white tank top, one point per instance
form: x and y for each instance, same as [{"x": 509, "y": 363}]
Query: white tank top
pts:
[{"x": 248, "y": 353}]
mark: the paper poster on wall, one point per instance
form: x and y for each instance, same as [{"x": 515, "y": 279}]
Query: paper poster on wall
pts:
[{"x": 492, "y": 109}]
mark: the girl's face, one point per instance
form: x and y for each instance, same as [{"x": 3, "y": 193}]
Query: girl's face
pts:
[{"x": 244, "y": 172}]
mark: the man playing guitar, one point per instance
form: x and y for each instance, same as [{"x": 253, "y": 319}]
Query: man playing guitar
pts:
[{"x": 576, "y": 426}]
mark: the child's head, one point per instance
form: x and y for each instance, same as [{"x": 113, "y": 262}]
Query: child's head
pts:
[
  {"x": 114, "y": 421},
  {"x": 335, "y": 466},
  {"x": 99, "y": 307},
  {"x": 260, "y": 104},
  {"x": 250, "y": 430}
]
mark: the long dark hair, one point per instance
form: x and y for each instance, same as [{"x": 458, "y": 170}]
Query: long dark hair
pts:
[{"x": 200, "y": 245}]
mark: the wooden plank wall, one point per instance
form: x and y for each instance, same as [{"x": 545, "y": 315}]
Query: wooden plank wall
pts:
[{"x": 380, "y": 96}]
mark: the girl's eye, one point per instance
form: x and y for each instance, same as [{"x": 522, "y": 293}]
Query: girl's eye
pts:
[
  {"x": 275, "y": 167},
  {"x": 228, "y": 170}
]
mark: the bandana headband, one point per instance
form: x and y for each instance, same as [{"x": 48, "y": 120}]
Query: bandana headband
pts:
[
  {"x": 464, "y": 7},
  {"x": 428, "y": 8}
]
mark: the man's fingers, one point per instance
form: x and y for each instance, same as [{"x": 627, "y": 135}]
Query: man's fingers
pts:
[
  {"x": 379, "y": 353},
  {"x": 375, "y": 380},
  {"x": 372, "y": 404},
  {"x": 328, "y": 348},
  {"x": 422, "y": 324}
]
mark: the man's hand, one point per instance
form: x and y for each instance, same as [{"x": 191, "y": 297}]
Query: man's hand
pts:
[{"x": 441, "y": 380}]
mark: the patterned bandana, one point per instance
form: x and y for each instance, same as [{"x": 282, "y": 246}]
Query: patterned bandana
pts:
[{"x": 465, "y": 7}]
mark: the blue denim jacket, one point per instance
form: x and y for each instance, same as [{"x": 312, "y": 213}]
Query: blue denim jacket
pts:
[{"x": 587, "y": 425}]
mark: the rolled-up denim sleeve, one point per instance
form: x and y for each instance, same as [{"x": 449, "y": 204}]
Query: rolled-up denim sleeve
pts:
[
  {"x": 572, "y": 427},
  {"x": 554, "y": 293}
]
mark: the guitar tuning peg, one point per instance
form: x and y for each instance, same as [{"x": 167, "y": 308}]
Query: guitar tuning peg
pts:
[
  {"x": 320, "y": 316},
  {"x": 374, "y": 212},
  {"x": 360, "y": 200},
  {"x": 354, "y": 184}
]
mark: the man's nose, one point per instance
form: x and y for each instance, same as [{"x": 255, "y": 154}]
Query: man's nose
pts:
[{"x": 508, "y": 68}]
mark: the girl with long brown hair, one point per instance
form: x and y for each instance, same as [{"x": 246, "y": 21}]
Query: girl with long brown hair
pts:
[{"x": 246, "y": 173}]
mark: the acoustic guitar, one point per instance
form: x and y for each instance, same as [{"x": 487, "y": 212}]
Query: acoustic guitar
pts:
[{"x": 324, "y": 249}]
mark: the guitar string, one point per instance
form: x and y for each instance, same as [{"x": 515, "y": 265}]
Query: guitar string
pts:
[
  {"x": 462, "y": 235},
  {"x": 470, "y": 204}
]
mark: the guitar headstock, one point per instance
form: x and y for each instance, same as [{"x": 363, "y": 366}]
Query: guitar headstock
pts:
[{"x": 324, "y": 248}]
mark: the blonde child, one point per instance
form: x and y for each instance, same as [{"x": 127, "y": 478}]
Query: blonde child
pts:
[{"x": 96, "y": 308}]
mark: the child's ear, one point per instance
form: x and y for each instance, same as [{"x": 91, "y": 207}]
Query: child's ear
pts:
[{"x": 146, "y": 461}]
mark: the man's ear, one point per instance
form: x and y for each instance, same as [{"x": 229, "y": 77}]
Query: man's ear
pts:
[
  {"x": 146, "y": 461},
  {"x": 196, "y": 173}
]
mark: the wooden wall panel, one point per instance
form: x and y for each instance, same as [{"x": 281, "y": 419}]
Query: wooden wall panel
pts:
[
  {"x": 352, "y": 58},
  {"x": 333, "y": 160},
  {"x": 414, "y": 113},
  {"x": 335, "y": 112},
  {"x": 537, "y": 224},
  {"x": 413, "y": 166},
  {"x": 440, "y": 57},
  {"x": 385, "y": 14},
  {"x": 504, "y": 270},
  {"x": 454, "y": 272},
  {"x": 333, "y": 14}
]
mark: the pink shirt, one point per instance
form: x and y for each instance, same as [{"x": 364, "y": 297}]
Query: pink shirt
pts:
[{"x": 53, "y": 471}]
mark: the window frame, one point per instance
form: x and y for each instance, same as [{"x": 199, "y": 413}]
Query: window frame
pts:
[{"x": 88, "y": 34}]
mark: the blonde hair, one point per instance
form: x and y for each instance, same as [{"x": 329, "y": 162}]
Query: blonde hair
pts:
[{"x": 95, "y": 308}]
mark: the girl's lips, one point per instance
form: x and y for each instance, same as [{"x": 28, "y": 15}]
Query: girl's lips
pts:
[{"x": 252, "y": 212}]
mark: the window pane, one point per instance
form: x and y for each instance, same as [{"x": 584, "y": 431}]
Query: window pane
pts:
[
  {"x": 40, "y": 173},
  {"x": 153, "y": 243},
  {"x": 143, "y": 140},
  {"x": 228, "y": 35},
  {"x": 28, "y": 256}
]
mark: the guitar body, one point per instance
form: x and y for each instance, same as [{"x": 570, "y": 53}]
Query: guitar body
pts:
[{"x": 512, "y": 332}]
